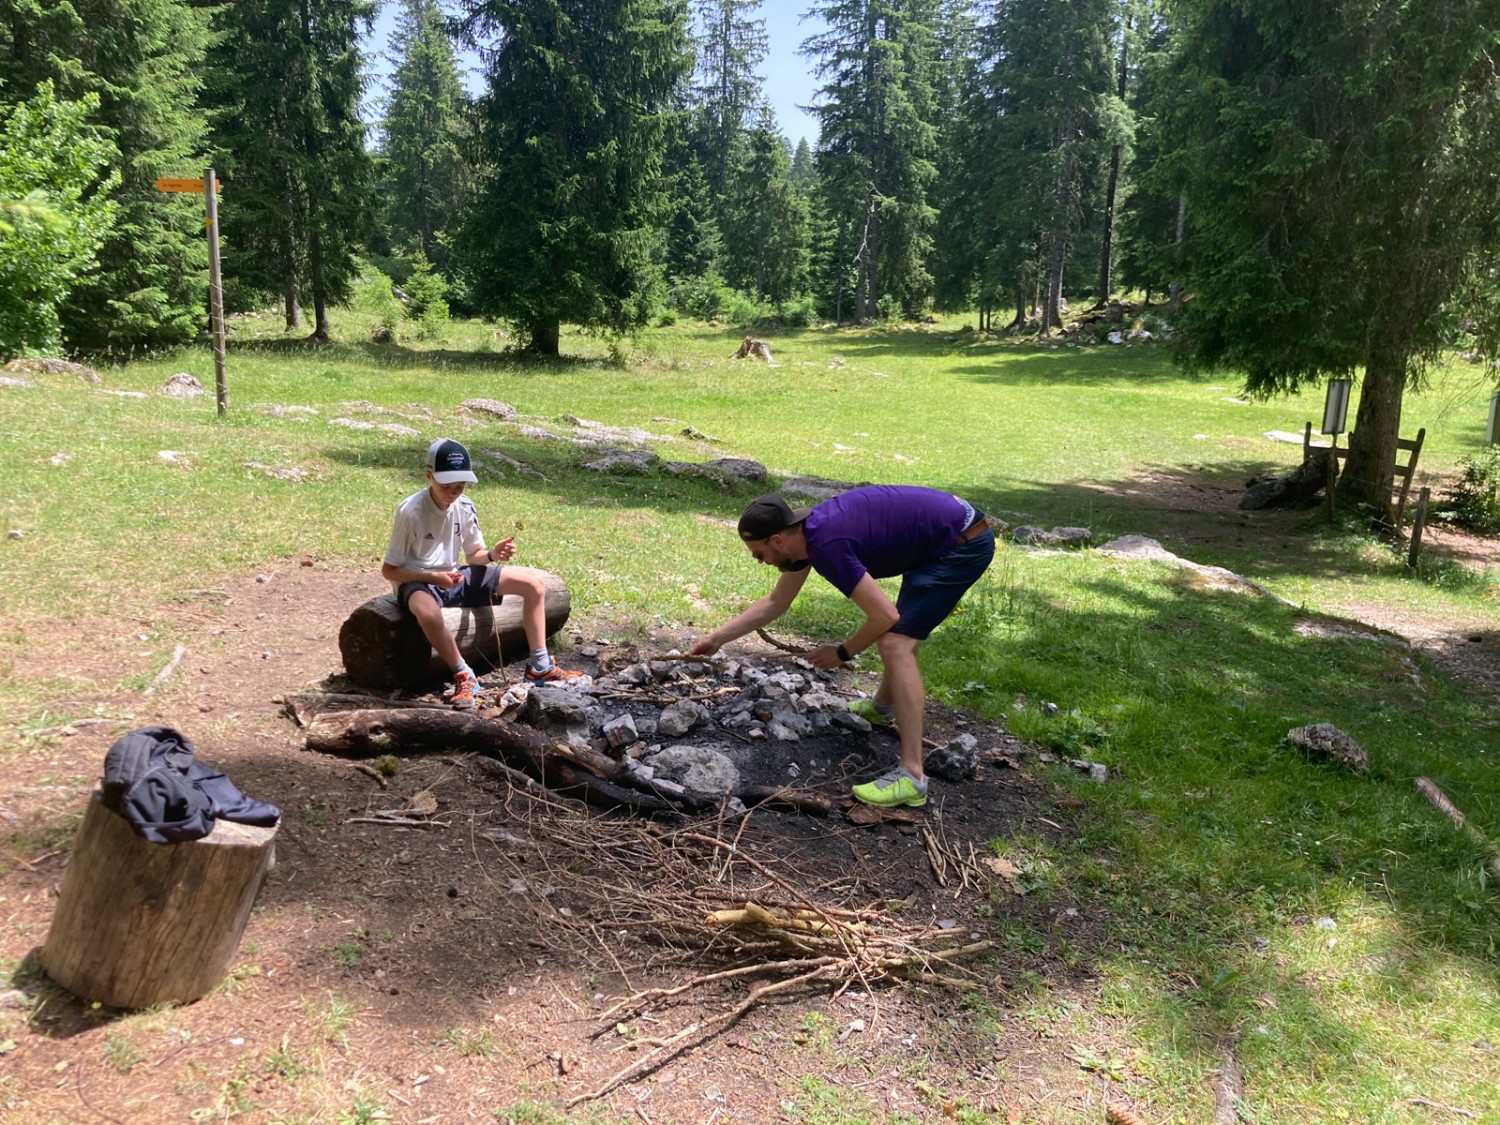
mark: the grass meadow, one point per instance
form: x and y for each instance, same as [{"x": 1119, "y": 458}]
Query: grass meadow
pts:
[{"x": 1335, "y": 928}]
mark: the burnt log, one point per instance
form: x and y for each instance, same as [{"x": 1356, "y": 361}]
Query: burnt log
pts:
[
  {"x": 596, "y": 778},
  {"x": 383, "y": 647},
  {"x": 139, "y": 923}
]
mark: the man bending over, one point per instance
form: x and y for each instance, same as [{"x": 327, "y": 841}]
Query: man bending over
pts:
[{"x": 939, "y": 544}]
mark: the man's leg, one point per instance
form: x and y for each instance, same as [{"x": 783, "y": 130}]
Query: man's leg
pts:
[{"x": 901, "y": 687}]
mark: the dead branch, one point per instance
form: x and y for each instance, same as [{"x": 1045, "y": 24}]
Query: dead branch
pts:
[
  {"x": 161, "y": 677},
  {"x": 1439, "y": 800}
]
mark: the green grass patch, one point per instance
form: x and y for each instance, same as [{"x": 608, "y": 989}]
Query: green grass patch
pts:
[{"x": 1340, "y": 928}]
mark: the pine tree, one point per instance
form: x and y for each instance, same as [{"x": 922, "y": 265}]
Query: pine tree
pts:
[
  {"x": 732, "y": 44},
  {"x": 765, "y": 221},
  {"x": 572, "y": 133},
  {"x": 877, "y": 146},
  {"x": 143, "y": 59},
  {"x": 298, "y": 192},
  {"x": 1340, "y": 163},
  {"x": 425, "y": 178}
]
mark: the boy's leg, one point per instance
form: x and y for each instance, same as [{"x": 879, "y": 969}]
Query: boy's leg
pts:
[
  {"x": 525, "y": 583},
  {"x": 424, "y": 607}
]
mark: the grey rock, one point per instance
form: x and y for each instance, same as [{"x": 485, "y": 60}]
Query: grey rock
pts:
[
  {"x": 552, "y": 707},
  {"x": 51, "y": 367},
  {"x": 703, "y": 769},
  {"x": 623, "y": 461},
  {"x": 1324, "y": 740},
  {"x": 1029, "y": 536},
  {"x": 850, "y": 721},
  {"x": 958, "y": 760},
  {"x": 739, "y": 468},
  {"x": 814, "y": 488},
  {"x": 781, "y": 731},
  {"x": 182, "y": 385},
  {"x": 620, "y": 731},
  {"x": 676, "y": 720},
  {"x": 494, "y": 407}
]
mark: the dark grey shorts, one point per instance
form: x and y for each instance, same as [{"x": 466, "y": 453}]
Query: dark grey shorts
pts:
[{"x": 476, "y": 589}]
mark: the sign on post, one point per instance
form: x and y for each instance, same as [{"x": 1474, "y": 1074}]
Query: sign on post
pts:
[{"x": 208, "y": 187}]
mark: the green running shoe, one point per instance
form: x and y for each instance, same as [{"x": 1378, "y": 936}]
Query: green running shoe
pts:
[
  {"x": 893, "y": 790},
  {"x": 866, "y": 710}
]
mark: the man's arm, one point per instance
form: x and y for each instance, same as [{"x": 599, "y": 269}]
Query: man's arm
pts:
[
  {"x": 880, "y": 616},
  {"x": 757, "y": 615}
]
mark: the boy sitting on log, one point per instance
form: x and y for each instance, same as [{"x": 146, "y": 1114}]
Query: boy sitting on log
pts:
[{"x": 436, "y": 532}]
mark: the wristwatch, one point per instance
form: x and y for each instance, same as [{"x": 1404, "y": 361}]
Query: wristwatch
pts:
[{"x": 843, "y": 653}]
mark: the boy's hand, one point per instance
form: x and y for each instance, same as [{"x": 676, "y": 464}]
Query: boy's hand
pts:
[
  {"x": 503, "y": 550},
  {"x": 447, "y": 579}
]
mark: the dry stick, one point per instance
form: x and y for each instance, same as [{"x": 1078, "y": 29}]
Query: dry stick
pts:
[
  {"x": 1439, "y": 1105},
  {"x": 632, "y": 1004},
  {"x": 676, "y": 1045},
  {"x": 161, "y": 677},
  {"x": 1229, "y": 1089},
  {"x": 1439, "y": 801}
]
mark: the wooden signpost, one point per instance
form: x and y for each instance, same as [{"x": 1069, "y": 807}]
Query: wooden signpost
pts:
[{"x": 208, "y": 187}]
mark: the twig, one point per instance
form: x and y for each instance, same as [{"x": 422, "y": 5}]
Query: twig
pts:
[
  {"x": 1428, "y": 1103},
  {"x": 161, "y": 677},
  {"x": 68, "y": 728},
  {"x": 398, "y": 822},
  {"x": 1229, "y": 1089},
  {"x": 1439, "y": 800},
  {"x": 782, "y": 645},
  {"x": 373, "y": 772}
]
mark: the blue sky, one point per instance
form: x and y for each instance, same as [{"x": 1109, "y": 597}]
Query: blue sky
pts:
[{"x": 789, "y": 79}]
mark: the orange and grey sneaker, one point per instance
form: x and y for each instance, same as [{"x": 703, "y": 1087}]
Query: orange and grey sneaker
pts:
[
  {"x": 552, "y": 674},
  {"x": 464, "y": 684}
]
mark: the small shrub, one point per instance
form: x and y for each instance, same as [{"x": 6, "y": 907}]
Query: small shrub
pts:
[
  {"x": 426, "y": 299},
  {"x": 743, "y": 310},
  {"x": 702, "y": 297},
  {"x": 1474, "y": 502},
  {"x": 799, "y": 312},
  {"x": 374, "y": 296}
]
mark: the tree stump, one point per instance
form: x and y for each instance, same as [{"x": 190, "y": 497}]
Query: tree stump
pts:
[
  {"x": 383, "y": 647},
  {"x": 139, "y": 923}
]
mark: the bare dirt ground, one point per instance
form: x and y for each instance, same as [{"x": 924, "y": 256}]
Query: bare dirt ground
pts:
[
  {"x": 446, "y": 973},
  {"x": 456, "y": 973}
]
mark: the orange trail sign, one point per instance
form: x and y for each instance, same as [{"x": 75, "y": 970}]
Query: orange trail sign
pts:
[{"x": 172, "y": 183}]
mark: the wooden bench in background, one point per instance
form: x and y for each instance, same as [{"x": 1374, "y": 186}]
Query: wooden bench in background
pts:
[{"x": 1404, "y": 473}]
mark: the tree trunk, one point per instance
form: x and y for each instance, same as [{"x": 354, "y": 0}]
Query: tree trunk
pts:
[
  {"x": 1106, "y": 255},
  {"x": 139, "y": 923},
  {"x": 383, "y": 646},
  {"x": 320, "y": 330},
  {"x": 1370, "y": 468},
  {"x": 1174, "y": 291},
  {"x": 545, "y": 338}
]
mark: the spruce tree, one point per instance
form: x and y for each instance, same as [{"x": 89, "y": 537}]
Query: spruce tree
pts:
[
  {"x": 727, "y": 93},
  {"x": 1340, "y": 165},
  {"x": 877, "y": 146},
  {"x": 425, "y": 176},
  {"x": 571, "y": 137},
  {"x": 298, "y": 192},
  {"x": 143, "y": 60},
  {"x": 765, "y": 224}
]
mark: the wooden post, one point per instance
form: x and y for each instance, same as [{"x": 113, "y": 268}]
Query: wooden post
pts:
[
  {"x": 1418, "y": 519},
  {"x": 139, "y": 923},
  {"x": 1333, "y": 474},
  {"x": 215, "y": 288}
]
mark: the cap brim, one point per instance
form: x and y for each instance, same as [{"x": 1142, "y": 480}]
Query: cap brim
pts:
[
  {"x": 454, "y": 478},
  {"x": 799, "y": 514}
]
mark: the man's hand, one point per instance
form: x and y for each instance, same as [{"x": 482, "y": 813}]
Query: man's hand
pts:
[
  {"x": 705, "y": 647},
  {"x": 824, "y": 656}
]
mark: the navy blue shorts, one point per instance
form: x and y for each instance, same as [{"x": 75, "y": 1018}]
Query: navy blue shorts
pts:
[
  {"x": 475, "y": 590},
  {"x": 929, "y": 593}
]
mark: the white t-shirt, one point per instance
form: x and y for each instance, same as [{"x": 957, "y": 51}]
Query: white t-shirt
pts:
[{"x": 425, "y": 537}]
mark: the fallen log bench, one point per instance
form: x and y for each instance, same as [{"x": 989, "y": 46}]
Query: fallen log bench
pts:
[
  {"x": 383, "y": 647},
  {"x": 139, "y": 923}
]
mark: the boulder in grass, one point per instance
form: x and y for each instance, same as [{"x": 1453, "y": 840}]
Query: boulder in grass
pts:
[
  {"x": 1324, "y": 740},
  {"x": 36, "y": 366},
  {"x": 493, "y": 407},
  {"x": 182, "y": 385},
  {"x": 623, "y": 461}
]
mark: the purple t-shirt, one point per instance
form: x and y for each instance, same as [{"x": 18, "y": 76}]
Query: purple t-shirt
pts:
[{"x": 881, "y": 530}]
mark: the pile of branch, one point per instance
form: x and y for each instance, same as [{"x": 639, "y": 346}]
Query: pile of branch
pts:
[{"x": 711, "y": 895}]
